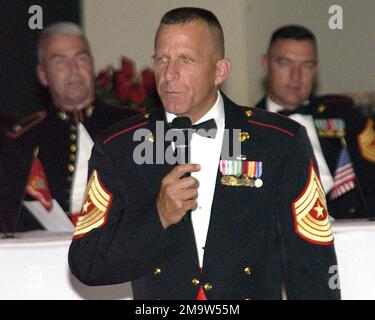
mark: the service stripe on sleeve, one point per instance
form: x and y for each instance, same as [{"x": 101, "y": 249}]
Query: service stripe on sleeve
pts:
[
  {"x": 311, "y": 219},
  {"x": 95, "y": 207}
]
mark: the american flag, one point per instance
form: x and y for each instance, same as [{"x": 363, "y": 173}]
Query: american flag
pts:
[{"x": 344, "y": 179}]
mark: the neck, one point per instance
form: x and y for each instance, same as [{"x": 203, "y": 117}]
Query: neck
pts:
[
  {"x": 282, "y": 104},
  {"x": 196, "y": 117},
  {"x": 74, "y": 107}
]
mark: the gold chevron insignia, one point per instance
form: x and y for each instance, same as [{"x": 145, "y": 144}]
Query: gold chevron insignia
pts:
[
  {"x": 366, "y": 141},
  {"x": 95, "y": 207},
  {"x": 310, "y": 213}
]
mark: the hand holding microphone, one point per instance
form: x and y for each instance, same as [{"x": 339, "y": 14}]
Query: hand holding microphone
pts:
[
  {"x": 179, "y": 191},
  {"x": 178, "y": 194}
]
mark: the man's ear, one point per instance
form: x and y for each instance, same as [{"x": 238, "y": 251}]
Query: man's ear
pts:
[
  {"x": 265, "y": 63},
  {"x": 223, "y": 68},
  {"x": 41, "y": 73}
]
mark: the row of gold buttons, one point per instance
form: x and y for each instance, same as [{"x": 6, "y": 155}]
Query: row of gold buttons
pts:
[
  {"x": 207, "y": 286},
  {"x": 73, "y": 148}
]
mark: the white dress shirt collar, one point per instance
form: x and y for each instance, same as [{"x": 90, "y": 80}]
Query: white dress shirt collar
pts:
[{"x": 273, "y": 106}]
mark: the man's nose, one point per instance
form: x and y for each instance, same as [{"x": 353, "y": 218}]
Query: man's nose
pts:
[
  {"x": 73, "y": 65},
  {"x": 296, "y": 72},
  {"x": 171, "y": 71}
]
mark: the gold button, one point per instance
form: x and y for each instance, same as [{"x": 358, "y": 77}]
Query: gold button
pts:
[
  {"x": 352, "y": 210},
  {"x": 157, "y": 271},
  {"x": 248, "y": 270},
  {"x": 71, "y": 168},
  {"x": 62, "y": 115},
  {"x": 150, "y": 138},
  {"x": 73, "y": 137},
  {"x": 321, "y": 108},
  {"x": 73, "y": 128},
  {"x": 249, "y": 113},
  {"x": 146, "y": 115},
  {"x": 244, "y": 136},
  {"x": 73, "y": 148},
  {"x": 89, "y": 111},
  {"x": 195, "y": 282},
  {"x": 72, "y": 157},
  {"x": 208, "y": 286}
]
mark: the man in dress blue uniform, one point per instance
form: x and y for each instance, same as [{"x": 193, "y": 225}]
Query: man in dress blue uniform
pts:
[
  {"x": 60, "y": 136},
  {"x": 342, "y": 139},
  {"x": 240, "y": 223}
]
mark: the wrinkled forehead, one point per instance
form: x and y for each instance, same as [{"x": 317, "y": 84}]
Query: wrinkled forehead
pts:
[
  {"x": 301, "y": 49},
  {"x": 191, "y": 27},
  {"x": 196, "y": 32},
  {"x": 63, "y": 45}
]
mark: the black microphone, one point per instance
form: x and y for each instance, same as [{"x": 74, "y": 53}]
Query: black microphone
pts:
[
  {"x": 182, "y": 125},
  {"x": 182, "y": 146}
]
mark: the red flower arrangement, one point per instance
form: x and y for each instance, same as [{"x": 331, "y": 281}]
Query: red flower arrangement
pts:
[{"x": 127, "y": 87}]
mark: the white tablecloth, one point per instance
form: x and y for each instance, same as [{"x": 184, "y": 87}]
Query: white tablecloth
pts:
[
  {"x": 355, "y": 249},
  {"x": 35, "y": 266}
]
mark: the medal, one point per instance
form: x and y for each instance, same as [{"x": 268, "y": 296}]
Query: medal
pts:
[
  {"x": 258, "y": 183},
  {"x": 229, "y": 181},
  {"x": 330, "y": 128},
  {"x": 241, "y": 173}
]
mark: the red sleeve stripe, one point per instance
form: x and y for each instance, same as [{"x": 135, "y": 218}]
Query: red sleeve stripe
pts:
[
  {"x": 271, "y": 126},
  {"x": 123, "y": 131}
]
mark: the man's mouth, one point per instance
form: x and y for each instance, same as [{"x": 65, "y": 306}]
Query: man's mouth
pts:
[
  {"x": 172, "y": 92},
  {"x": 295, "y": 88},
  {"x": 75, "y": 83}
]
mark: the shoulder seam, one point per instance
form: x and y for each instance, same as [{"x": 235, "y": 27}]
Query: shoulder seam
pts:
[
  {"x": 124, "y": 131},
  {"x": 29, "y": 122}
]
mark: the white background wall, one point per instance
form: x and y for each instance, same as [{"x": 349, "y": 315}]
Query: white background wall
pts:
[{"x": 127, "y": 27}]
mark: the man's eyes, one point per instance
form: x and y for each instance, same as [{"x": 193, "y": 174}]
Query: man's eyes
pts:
[
  {"x": 62, "y": 60},
  {"x": 161, "y": 60},
  {"x": 284, "y": 62},
  {"x": 309, "y": 65},
  {"x": 186, "y": 59},
  {"x": 83, "y": 58},
  {"x": 289, "y": 63}
]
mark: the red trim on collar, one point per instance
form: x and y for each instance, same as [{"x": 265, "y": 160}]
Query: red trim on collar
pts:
[
  {"x": 123, "y": 131},
  {"x": 273, "y": 127}
]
